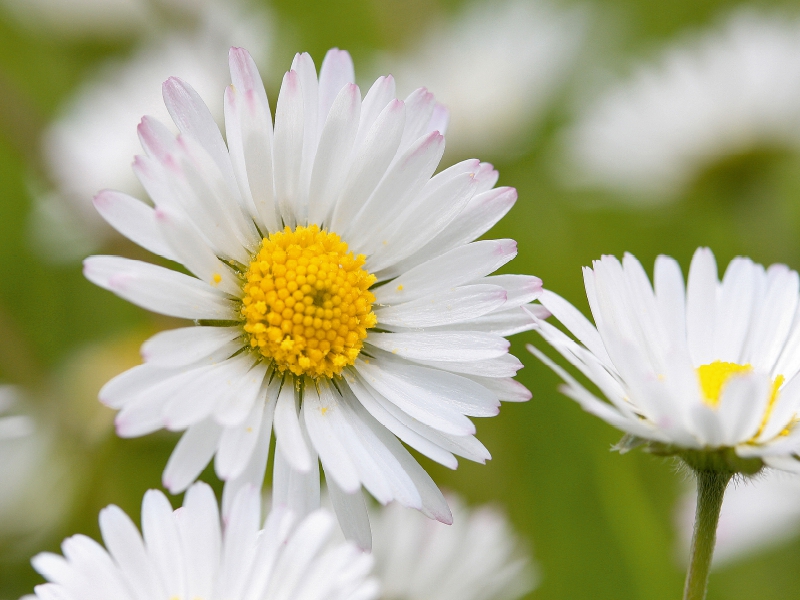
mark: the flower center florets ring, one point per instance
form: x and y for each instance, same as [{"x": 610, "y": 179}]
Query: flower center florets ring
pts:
[{"x": 307, "y": 303}]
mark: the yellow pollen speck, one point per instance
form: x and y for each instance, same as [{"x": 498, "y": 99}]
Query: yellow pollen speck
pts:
[
  {"x": 216, "y": 278},
  {"x": 324, "y": 409},
  {"x": 307, "y": 303},
  {"x": 715, "y": 375},
  {"x": 399, "y": 288}
]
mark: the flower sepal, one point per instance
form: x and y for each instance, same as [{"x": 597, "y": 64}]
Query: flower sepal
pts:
[{"x": 720, "y": 460}]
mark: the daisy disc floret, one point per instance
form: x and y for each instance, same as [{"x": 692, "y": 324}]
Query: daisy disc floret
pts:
[
  {"x": 192, "y": 554},
  {"x": 707, "y": 371},
  {"x": 338, "y": 295}
]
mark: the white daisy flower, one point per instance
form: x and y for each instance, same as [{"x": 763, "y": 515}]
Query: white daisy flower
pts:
[
  {"x": 496, "y": 66},
  {"x": 708, "y": 371},
  {"x": 479, "y": 557},
  {"x": 189, "y": 554},
  {"x": 756, "y": 516},
  {"x": 731, "y": 91},
  {"x": 338, "y": 292},
  {"x": 90, "y": 145}
]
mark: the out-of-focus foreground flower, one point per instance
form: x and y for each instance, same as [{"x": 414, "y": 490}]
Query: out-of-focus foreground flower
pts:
[
  {"x": 756, "y": 515},
  {"x": 478, "y": 557},
  {"x": 725, "y": 93},
  {"x": 496, "y": 66},
  {"x": 32, "y": 473},
  {"x": 339, "y": 294},
  {"x": 707, "y": 371},
  {"x": 190, "y": 553},
  {"x": 89, "y": 147}
]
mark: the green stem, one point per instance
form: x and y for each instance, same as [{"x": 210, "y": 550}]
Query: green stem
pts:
[{"x": 710, "y": 491}]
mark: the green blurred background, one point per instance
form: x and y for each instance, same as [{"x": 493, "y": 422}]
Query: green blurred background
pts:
[{"x": 600, "y": 524}]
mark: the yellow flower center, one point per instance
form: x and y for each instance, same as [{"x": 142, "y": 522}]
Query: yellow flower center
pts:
[
  {"x": 715, "y": 375},
  {"x": 307, "y": 303}
]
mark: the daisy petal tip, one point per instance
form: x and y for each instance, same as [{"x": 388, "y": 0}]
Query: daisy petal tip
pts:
[
  {"x": 445, "y": 518},
  {"x": 103, "y": 199}
]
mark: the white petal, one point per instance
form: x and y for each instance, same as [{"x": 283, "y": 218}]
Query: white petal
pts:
[
  {"x": 405, "y": 391},
  {"x": 441, "y": 345},
  {"x": 134, "y": 219},
  {"x": 771, "y": 328},
  {"x": 456, "y": 267},
  {"x": 255, "y": 469},
  {"x": 249, "y": 390},
  {"x": 125, "y": 545},
  {"x": 163, "y": 543},
  {"x": 288, "y": 436},
  {"x": 701, "y": 302},
  {"x": 199, "y": 525},
  {"x": 184, "y": 346},
  {"x": 479, "y": 214},
  {"x": 406, "y": 246},
  {"x": 671, "y": 299},
  {"x": 307, "y": 74},
  {"x": 333, "y": 153},
  {"x": 296, "y": 490},
  {"x": 576, "y": 323},
  {"x": 249, "y": 131},
  {"x": 325, "y": 438},
  {"x": 352, "y": 515},
  {"x": 191, "y": 455},
  {"x": 199, "y": 396},
  {"x": 419, "y": 442},
  {"x": 237, "y": 443},
  {"x": 193, "y": 118},
  {"x": 288, "y": 154},
  {"x": 370, "y": 163},
  {"x": 742, "y": 404},
  {"x": 400, "y": 185},
  {"x": 158, "y": 289},
  {"x": 500, "y": 366},
  {"x": 452, "y": 306},
  {"x": 733, "y": 311},
  {"x": 334, "y": 74},
  {"x": 193, "y": 252}
]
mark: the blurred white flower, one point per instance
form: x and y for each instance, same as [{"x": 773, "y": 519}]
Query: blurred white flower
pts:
[
  {"x": 90, "y": 147},
  {"x": 31, "y": 473},
  {"x": 495, "y": 67},
  {"x": 78, "y": 18},
  {"x": 192, "y": 553},
  {"x": 730, "y": 91},
  {"x": 756, "y": 515},
  {"x": 104, "y": 19},
  {"x": 478, "y": 557}
]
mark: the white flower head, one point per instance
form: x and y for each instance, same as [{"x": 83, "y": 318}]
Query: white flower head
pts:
[
  {"x": 90, "y": 145},
  {"x": 729, "y": 92},
  {"x": 478, "y": 557},
  {"x": 101, "y": 19},
  {"x": 190, "y": 554},
  {"x": 707, "y": 371},
  {"x": 496, "y": 67},
  {"x": 757, "y": 514},
  {"x": 339, "y": 294}
]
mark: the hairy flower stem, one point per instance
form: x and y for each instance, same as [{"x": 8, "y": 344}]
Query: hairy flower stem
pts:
[{"x": 710, "y": 491}]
